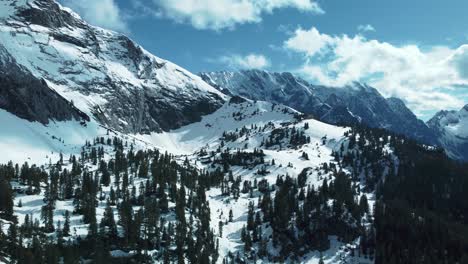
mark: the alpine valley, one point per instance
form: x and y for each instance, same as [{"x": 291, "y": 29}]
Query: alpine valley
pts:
[{"x": 113, "y": 155}]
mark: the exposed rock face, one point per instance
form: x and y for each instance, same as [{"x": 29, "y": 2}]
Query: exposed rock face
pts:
[
  {"x": 30, "y": 98},
  {"x": 53, "y": 18},
  {"x": 372, "y": 109},
  {"x": 283, "y": 88},
  {"x": 340, "y": 115},
  {"x": 356, "y": 103},
  {"x": 409, "y": 124},
  {"x": 104, "y": 73}
]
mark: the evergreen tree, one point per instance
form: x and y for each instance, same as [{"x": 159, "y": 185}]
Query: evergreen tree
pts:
[{"x": 66, "y": 225}]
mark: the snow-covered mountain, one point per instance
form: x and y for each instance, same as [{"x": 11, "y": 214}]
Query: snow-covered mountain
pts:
[
  {"x": 274, "y": 140},
  {"x": 337, "y": 105},
  {"x": 102, "y": 73},
  {"x": 452, "y": 131},
  {"x": 268, "y": 86},
  {"x": 120, "y": 156}
]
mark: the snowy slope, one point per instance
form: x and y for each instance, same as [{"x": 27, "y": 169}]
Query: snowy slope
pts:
[
  {"x": 34, "y": 142},
  {"x": 257, "y": 120},
  {"x": 104, "y": 73},
  {"x": 193, "y": 137},
  {"x": 37, "y": 143},
  {"x": 239, "y": 124}
]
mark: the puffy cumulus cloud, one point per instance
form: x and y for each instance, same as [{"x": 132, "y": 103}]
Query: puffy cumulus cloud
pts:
[
  {"x": 424, "y": 79},
  {"x": 102, "y": 13},
  {"x": 310, "y": 42},
  {"x": 365, "y": 28},
  {"x": 221, "y": 14},
  {"x": 250, "y": 61}
]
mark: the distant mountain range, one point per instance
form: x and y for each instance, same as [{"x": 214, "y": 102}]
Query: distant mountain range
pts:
[
  {"x": 91, "y": 72},
  {"x": 354, "y": 103}
]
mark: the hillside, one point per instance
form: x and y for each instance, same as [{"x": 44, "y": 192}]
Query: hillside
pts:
[{"x": 232, "y": 152}]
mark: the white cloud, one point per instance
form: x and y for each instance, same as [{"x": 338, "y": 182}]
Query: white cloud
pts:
[
  {"x": 425, "y": 79},
  {"x": 365, "y": 28},
  {"x": 102, "y": 13},
  {"x": 221, "y": 14},
  {"x": 250, "y": 61},
  {"x": 460, "y": 61},
  {"x": 309, "y": 42}
]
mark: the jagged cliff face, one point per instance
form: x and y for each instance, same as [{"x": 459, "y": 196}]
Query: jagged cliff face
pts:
[
  {"x": 30, "y": 98},
  {"x": 102, "y": 73},
  {"x": 367, "y": 104},
  {"x": 451, "y": 128},
  {"x": 355, "y": 103},
  {"x": 269, "y": 86}
]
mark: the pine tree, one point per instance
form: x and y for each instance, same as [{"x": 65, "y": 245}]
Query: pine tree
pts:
[
  {"x": 363, "y": 204},
  {"x": 143, "y": 171},
  {"x": 250, "y": 217},
  {"x": 105, "y": 178},
  {"x": 180, "y": 242},
  {"x": 93, "y": 227},
  {"x": 220, "y": 227},
  {"x": 321, "y": 259},
  {"x": 6, "y": 199},
  {"x": 66, "y": 225},
  {"x": 247, "y": 241},
  {"x": 109, "y": 221},
  {"x": 47, "y": 215},
  {"x": 230, "y": 215}
]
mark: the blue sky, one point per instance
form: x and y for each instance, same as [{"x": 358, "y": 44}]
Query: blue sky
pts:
[{"x": 410, "y": 49}]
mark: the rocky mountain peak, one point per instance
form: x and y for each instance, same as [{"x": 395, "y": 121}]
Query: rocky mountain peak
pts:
[
  {"x": 451, "y": 128},
  {"x": 46, "y": 13},
  {"x": 465, "y": 108},
  {"x": 106, "y": 74}
]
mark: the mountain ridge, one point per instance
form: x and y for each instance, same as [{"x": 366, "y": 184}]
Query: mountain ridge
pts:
[{"x": 353, "y": 103}]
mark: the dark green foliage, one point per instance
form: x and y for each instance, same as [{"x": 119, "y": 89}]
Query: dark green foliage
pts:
[
  {"x": 422, "y": 212},
  {"x": 147, "y": 228}
]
